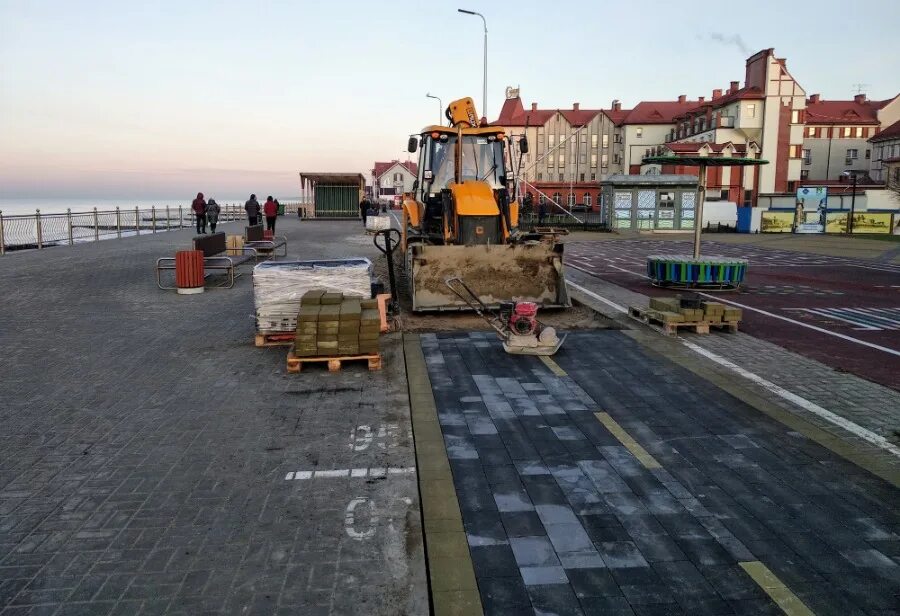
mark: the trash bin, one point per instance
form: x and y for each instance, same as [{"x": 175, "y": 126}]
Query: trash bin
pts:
[
  {"x": 189, "y": 271},
  {"x": 281, "y": 209}
]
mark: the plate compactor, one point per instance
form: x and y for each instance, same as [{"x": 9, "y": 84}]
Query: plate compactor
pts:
[{"x": 516, "y": 323}]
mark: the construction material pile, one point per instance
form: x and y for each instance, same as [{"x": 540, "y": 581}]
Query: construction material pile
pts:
[
  {"x": 688, "y": 310},
  {"x": 331, "y": 324},
  {"x": 278, "y": 287}
]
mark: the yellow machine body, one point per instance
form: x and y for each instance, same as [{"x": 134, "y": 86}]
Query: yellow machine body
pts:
[{"x": 461, "y": 221}]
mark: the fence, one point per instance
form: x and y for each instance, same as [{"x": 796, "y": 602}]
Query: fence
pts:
[
  {"x": 589, "y": 221},
  {"x": 29, "y": 231}
]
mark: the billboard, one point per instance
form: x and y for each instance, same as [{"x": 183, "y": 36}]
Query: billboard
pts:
[
  {"x": 837, "y": 222},
  {"x": 777, "y": 222},
  {"x": 812, "y": 206},
  {"x": 872, "y": 222}
]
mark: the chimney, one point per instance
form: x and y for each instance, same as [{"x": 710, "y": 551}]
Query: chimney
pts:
[
  {"x": 575, "y": 106},
  {"x": 814, "y": 98},
  {"x": 734, "y": 86},
  {"x": 534, "y": 106},
  {"x": 859, "y": 99},
  {"x": 717, "y": 94},
  {"x": 617, "y": 105},
  {"x": 701, "y": 99},
  {"x": 682, "y": 98}
]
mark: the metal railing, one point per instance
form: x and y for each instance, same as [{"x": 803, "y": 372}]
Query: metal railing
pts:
[{"x": 39, "y": 230}]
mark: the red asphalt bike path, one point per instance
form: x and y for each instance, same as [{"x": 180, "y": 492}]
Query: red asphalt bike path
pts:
[{"x": 842, "y": 312}]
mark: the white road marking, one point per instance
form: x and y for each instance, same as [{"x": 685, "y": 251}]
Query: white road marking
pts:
[
  {"x": 812, "y": 407},
  {"x": 801, "y": 324},
  {"x": 394, "y": 216},
  {"x": 350, "y": 472},
  {"x": 590, "y": 293}
]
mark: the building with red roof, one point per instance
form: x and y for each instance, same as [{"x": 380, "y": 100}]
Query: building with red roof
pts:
[
  {"x": 393, "y": 178},
  {"x": 886, "y": 156},
  {"x": 570, "y": 150},
  {"x": 837, "y": 132}
]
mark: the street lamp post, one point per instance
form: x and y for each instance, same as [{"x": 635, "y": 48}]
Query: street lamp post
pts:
[
  {"x": 484, "y": 84},
  {"x": 852, "y": 174},
  {"x": 440, "y": 107}
]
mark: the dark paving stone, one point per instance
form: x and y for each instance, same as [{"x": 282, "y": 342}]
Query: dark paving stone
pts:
[
  {"x": 494, "y": 561},
  {"x": 658, "y": 548},
  {"x": 658, "y": 609},
  {"x": 636, "y": 576},
  {"x": 704, "y": 551},
  {"x": 620, "y": 554},
  {"x": 606, "y": 606},
  {"x": 554, "y": 599},
  {"x": 503, "y": 596},
  {"x": 522, "y": 523},
  {"x": 593, "y": 582},
  {"x": 731, "y": 582}
]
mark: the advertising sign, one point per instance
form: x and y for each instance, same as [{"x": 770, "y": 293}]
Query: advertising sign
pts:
[
  {"x": 811, "y": 200},
  {"x": 837, "y": 222},
  {"x": 872, "y": 222},
  {"x": 777, "y": 222}
]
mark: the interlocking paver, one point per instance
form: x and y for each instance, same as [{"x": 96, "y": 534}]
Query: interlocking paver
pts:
[
  {"x": 733, "y": 486},
  {"x": 145, "y": 443}
]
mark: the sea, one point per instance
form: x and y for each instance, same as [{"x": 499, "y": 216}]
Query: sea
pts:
[{"x": 10, "y": 206}]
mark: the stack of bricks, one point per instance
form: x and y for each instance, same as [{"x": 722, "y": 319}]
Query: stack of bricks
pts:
[
  {"x": 667, "y": 309},
  {"x": 713, "y": 311},
  {"x": 330, "y": 324},
  {"x": 369, "y": 327}
]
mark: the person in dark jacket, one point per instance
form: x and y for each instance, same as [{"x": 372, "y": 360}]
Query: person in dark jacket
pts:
[
  {"x": 542, "y": 211},
  {"x": 364, "y": 209},
  {"x": 270, "y": 209},
  {"x": 199, "y": 207},
  {"x": 212, "y": 214},
  {"x": 252, "y": 208}
]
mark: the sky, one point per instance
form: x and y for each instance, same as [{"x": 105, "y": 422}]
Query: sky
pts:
[{"x": 157, "y": 99}]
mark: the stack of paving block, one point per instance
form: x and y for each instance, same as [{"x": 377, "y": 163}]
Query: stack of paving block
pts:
[
  {"x": 330, "y": 324},
  {"x": 667, "y": 310},
  {"x": 369, "y": 327},
  {"x": 713, "y": 311}
]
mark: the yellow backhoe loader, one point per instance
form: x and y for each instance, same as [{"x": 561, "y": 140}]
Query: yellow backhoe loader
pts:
[{"x": 462, "y": 221}]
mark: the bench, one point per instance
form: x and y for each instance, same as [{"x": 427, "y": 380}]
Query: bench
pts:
[
  {"x": 213, "y": 247},
  {"x": 253, "y": 237}
]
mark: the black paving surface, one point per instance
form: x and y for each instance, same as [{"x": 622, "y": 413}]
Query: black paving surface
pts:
[{"x": 562, "y": 519}]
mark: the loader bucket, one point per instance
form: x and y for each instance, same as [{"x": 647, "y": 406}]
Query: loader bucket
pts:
[{"x": 496, "y": 273}]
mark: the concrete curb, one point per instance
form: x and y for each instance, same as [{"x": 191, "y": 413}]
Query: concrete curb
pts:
[{"x": 451, "y": 576}]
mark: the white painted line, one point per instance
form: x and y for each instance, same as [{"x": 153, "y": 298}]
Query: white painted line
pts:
[
  {"x": 340, "y": 472},
  {"x": 801, "y": 324},
  {"x": 590, "y": 293},
  {"x": 830, "y": 314},
  {"x": 351, "y": 472},
  {"x": 812, "y": 407},
  {"x": 394, "y": 216}
]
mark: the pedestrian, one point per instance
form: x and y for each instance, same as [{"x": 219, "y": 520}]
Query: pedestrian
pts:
[
  {"x": 542, "y": 210},
  {"x": 364, "y": 209},
  {"x": 528, "y": 204},
  {"x": 271, "y": 212},
  {"x": 199, "y": 207},
  {"x": 252, "y": 208},
  {"x": 212, "y": 214}
]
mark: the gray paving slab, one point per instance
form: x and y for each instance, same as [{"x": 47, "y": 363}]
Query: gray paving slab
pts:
[
  {"x": 146, "y": 444},
  {"x": 734, "y": 485}
]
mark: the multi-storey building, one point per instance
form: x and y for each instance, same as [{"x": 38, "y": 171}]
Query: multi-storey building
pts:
[
  {"x": 836, "y": 135},
  {"x": 885, "y": 167},
  {"x": 647, "y": 126},
  {"x": 764, "y": 118},
  {"x": 570, "y": 150}
]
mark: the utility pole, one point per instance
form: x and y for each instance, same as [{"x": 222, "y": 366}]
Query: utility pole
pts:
[{"x": 484, "y": 81}]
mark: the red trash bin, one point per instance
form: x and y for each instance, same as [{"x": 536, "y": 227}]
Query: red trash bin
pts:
[{"x": 189, "y": 271}]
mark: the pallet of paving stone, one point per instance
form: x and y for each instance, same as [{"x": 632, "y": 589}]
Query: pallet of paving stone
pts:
[
  {"x": 667, "y": 322},
  {"x": 335, "y": 362},
  {"x": 274, "y": 339}
]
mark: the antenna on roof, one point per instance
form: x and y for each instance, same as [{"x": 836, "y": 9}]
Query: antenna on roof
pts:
[{"x": 860, "y": 87}]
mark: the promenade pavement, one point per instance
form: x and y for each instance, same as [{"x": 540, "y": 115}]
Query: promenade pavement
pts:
[{"x": 153, "y": 461}]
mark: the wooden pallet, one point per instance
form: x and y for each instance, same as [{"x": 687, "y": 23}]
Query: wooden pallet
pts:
[
  {"x": 295, "y": 364},
  {"x": 275, "y": 339},
  {"x": 671, "y": 329}
]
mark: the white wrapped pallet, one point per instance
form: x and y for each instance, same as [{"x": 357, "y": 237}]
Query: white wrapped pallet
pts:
[
  {"x": 378, "y": 223},
  {"x": 279, "y": 285}
]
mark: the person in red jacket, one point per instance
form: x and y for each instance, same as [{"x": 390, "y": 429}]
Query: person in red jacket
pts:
[
  {"x": 199, "y": 207},
  {"x": 270, "y": 209}
]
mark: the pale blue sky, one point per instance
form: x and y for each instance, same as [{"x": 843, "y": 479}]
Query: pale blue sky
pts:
[{"x": 155, "y": 99}]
